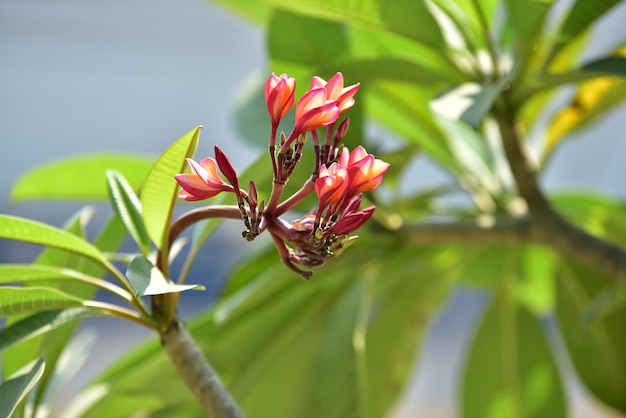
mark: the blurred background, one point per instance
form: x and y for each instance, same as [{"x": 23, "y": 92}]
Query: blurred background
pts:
[{"x": 80, "y": 77}]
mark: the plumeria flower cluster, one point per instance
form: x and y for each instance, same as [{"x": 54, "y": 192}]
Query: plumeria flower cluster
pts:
[{"x": 339, "y": 176}]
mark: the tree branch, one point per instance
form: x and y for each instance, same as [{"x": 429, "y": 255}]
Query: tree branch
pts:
[
  {"x": 198, "y": 373},
  {"x": 541, "y": 225},
  {"x": 546, "y": 226}
]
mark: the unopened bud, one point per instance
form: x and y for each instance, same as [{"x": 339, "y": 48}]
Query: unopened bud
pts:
[
  {"x": 342, "y": 130},
  {"x": 252, "y": 193},
  {"x": 226, "y": 167}
]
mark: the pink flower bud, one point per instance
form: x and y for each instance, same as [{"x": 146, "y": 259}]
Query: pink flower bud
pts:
[
  {"x": 204, "y": 181},
  {"x": 364, "y": 171},
  {"x": 336, "y": 90},
  {"x": 279, "y": 96},
  {"x": 352, "y": 221},
  {"x": 331, "y": 184},
  {"x": 313, "y": 111},
  {"x": 226, "y": 167}
]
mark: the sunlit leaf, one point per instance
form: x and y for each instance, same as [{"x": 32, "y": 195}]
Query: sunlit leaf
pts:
[
  {"x": 20, "y": 229},
  {"x": 510, "y": 371},
  {"x": 79, "y": 177},
  {"x": 128, "y": 208},
  {"x": 409, "y": 19},
  {"x": 257, "y": 11},
  {"x": 25, "y": 300},
  {"x": 159, "y": 191},
  {"x": 148, "y": 280},
  {"x": 13, "y": 390}
]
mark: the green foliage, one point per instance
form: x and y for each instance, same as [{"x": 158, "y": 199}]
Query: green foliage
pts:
[
  {"x": 447, "y": 79},
  {"x": 324, "y": 345},
  {"x": 128, "y": 209},
  {"x": 159, "y": 189},
  {"x": 510, "y": 371},
  {"x": 78, "y": 177},
  {"x": 148, "y": 280},
  {"x": 17, "y": 387}
]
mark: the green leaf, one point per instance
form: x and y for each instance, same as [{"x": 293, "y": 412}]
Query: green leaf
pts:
[
  {"x": 273, "y": 339},
  {"x": 470, "y": 102},
  {"x": 17, "y": 387},
  {"x": 470, "y": 18},
  {"x": 600, "y": 215},
  {"x": 256, "y": 11},
  {"x": 510, "y": 371},
  {"x": 128, "y": 208},
  {"x": 403, "y": 108},
  {"x": 369, "y": 44},
  {"x": 527, "y": 17},
  {"x": 39, "y": 323},
  {"x": 606, "y": 302},
  {"x": 25, "y": 300},
  {"x": 12, "y": 227},
  {"x": 582, "y": 14},
  {"x": 608, "y": 66},
  {"x": 159, "y": 191},
  {"x": 148, "y": 280},
  {"x": 598, "y": 348},
  {"x": 14, "y": 273},
  {"x": 408, "y": 19},
  {"x": 79, "y": 177},
  {"x": 312, "y": 42}
]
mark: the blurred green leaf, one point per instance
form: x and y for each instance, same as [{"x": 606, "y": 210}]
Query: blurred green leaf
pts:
[
  {"x": 528, "y": 269},
  {"x": 598, "y": 348},
  {"x": 614, "y": 66},
  {"x": 582, "y": 14},
  {"x": 79, "y": 177},
  {"x": 25, "y": 300},
  {"x": 600, "y": 215},
  {"x": 12, "y": 391},
  {"x": 39, "y": 323},
  {"x": 527, "y": 18},
  {"x": 470, "y": 17},
  {"x": 12, "y": 227},
  {"x": 470, "y": 102},
  {"x": 606, "y": 302},
  {"x": 368, "y": 44},
  {"x": 128, "y": 208},
  {"x": 159, "y": 190},
  {"x": 510, "y": 371},
  {"x": 403, "y": 107},
  {"x": 409, "y": 19},
  {"x": 257, "y": 11},
  {"x": 280, "y": 335},
  {"x": 148, "y": 280}
]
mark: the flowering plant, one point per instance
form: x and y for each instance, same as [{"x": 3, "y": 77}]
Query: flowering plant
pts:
[
  {"x": 339, "y": 177},
  {"x": 464, "y": 85}
]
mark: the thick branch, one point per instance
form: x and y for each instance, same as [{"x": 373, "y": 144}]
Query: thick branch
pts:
[
  {"x": 547, "y": 226},
  {"x": 512, "y": 231},
  {"x": 198, "y": 373}
]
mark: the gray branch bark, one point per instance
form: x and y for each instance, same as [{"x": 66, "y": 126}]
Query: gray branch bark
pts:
[{"x": 200, "y": 377}]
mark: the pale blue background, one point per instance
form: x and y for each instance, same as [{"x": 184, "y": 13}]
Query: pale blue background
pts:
[{"x": 85, "y": 76}]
